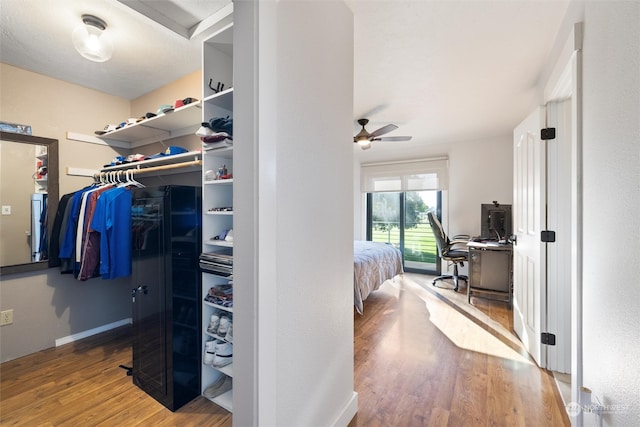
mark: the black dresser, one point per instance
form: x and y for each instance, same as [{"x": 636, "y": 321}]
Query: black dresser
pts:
[{"x": 166, "y": 292}]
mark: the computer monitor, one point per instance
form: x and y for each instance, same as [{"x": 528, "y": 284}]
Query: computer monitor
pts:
[{"x": 495, "y": 221}]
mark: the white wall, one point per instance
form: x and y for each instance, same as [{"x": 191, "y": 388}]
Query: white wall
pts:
[
  {"x": 611, "y": 147},
  {"x": 294, "y": 184}
]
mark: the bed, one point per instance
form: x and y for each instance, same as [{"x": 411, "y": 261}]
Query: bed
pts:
[{"x": 373, "y": 263}]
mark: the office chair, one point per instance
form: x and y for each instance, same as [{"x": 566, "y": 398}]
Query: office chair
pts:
[{"x": 454, "y": 251}]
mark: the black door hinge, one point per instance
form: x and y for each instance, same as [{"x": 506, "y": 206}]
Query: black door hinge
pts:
[
  {"x": 548, "y": 339},
  {"x": 547, "y": 133},
  {"x": 547, "y": 236}
]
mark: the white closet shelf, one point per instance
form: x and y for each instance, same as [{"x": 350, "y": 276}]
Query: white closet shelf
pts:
[
  {"x": 227, "y": 213},
  {"x": 179, "y": 122},
  {"x": 223, "y": 99},
  {"x": 224, "y": 151},
  {"x": 225, "y": 400},
  {"x": 218, "y": 181},
  {"x": 220, "y": 307},
  {"x": 224, "y": 243},
  {"x": 227, "y": 369}
]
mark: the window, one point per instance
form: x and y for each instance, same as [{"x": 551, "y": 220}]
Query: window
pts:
[
  {"x": 399, "y": 194},
  {"x": 400, "y": 218}
]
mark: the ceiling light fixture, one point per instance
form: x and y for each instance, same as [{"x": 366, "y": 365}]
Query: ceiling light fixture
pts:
[
  {"x": 91, "y": 40},
  {"x": 364, "y": 142}
]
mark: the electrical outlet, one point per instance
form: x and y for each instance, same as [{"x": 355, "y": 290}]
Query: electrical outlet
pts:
[{"x": 6, "y": 317}]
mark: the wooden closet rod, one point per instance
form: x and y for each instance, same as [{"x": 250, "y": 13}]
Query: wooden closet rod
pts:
[
  {"x": 166, "y": 167},
  {"x": 138, "y": 170}
]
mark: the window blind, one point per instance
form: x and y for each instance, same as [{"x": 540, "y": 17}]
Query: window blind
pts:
[{"x": 411, "y": 175}]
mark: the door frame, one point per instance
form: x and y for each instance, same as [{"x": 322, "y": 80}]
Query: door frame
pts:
[{"x": 564, "y": 83}]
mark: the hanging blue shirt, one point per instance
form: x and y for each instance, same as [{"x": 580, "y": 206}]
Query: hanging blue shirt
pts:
[{"x": 112, "y": 219}]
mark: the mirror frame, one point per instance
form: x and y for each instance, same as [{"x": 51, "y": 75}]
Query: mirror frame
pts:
[{"x": 52, "y": 191}]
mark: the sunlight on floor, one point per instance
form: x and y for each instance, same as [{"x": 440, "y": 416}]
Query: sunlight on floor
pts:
[{"x": 461, "y": 330}]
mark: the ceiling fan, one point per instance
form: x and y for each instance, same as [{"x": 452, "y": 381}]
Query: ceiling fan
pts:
[{"x": 364, "y": 138}]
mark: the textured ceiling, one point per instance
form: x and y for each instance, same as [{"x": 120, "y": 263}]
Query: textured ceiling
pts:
[
  {"x": 36, "y": 35},
  {"x": 443, "y": 71},
  {"x": 446, "y": 71}
]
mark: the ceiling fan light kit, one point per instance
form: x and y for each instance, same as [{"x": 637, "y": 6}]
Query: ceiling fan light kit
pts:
[
  {"x": 91, "y": 40},
  {"x": 364, "y": 138}
]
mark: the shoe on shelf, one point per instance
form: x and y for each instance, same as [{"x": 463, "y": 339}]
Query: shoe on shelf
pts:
[
  {"x": 209, "y": 352},
  {"x": 229, "y": 335},
  {"x": 221, "y": 385},
  {"x": 211, "y": 391},
  {"x": 224, "y": 326},
  {"x": 213, "y": 324},
  {"x": 223, "y": 354}
]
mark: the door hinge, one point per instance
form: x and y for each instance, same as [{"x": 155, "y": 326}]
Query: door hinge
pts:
[
  {"x": 547, "y": 133},
  {"x": 547, "y": 236},
  {"x": 547, "y": 338}
]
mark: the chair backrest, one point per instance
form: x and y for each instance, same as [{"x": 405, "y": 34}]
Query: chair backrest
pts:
[{"x": 442, "y": 241}]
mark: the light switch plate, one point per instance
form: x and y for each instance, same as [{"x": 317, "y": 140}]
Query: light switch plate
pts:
[{"x": 6, "y": 210}]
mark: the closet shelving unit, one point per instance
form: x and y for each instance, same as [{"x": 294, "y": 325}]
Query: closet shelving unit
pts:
[
  {"x": 217, "y": 68},
  {"x": 181, "y": 121}
]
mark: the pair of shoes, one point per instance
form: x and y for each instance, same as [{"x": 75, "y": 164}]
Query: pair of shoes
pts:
[
  {"x": 221, "y": 385},
  {"x": 219, "y": 326},
  {"x": 218, "y": 353}
]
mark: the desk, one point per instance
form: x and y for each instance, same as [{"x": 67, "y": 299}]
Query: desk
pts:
[{"x": 490, "y": 265}]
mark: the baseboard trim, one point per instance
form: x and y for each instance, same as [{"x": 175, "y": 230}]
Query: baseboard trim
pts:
[
  {"x": 84, "y": 334},
  {"x": 348, "y": 412}
]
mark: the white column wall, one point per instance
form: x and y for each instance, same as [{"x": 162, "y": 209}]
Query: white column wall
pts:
[{"x": 295, "y": 174}]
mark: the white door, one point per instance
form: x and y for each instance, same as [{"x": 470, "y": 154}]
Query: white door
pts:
[{"x": 529, "y": 290}]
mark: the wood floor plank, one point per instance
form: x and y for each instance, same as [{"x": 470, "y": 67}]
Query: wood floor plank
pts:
[{"x": 81, "y": 384}]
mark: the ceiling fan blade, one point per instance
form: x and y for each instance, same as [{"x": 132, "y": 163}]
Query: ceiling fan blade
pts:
[
  {"x": 383, "y": 130},
  {"x": 393, "y": 138}
]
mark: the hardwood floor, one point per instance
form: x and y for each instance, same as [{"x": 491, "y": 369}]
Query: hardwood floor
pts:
[
  {"x": 422, "y": 358},
  {"x": 80, "y": 384}
]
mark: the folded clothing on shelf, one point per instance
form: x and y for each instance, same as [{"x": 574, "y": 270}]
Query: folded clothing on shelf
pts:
[
  {"x": 217, "y": 262},
  {"x": 220, "y": 295}
]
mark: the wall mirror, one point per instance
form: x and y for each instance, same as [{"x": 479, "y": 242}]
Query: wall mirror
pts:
[{"x": 29, "y": 200}]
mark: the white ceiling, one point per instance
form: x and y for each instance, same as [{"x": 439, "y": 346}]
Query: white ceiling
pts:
[{"x": 442, "y": 70}]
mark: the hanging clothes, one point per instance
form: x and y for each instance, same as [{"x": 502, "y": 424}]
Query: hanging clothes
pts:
[
  {"x": 112, "y": 219},
  {"x": 87, "y": 240},
  {"x": 94, "y": 232},
  {"x": 67, "y": 244}
]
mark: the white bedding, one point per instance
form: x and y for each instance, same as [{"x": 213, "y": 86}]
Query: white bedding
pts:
[{"x": 373, "y": 263}]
